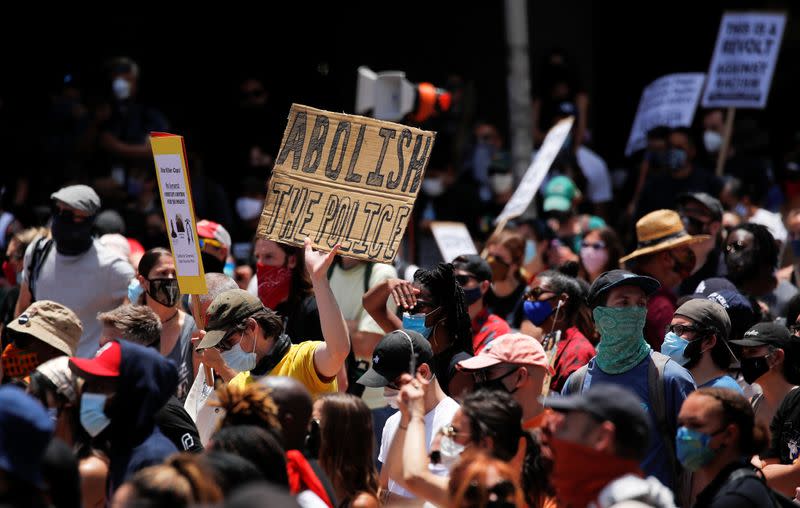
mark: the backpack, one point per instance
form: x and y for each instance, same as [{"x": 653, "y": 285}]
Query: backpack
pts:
[
  {"x": 40, "y": 252},
  {"x": 355, "y": 367},
  {"x": 778, "y": 499},
  {"x": 681, "y": 479}
]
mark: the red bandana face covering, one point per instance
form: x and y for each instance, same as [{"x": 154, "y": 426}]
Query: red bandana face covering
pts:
[
  {"x": 274, "y": 283},
  {"x": 18, "y": 363},
  {"x": 580, "y": 472}
]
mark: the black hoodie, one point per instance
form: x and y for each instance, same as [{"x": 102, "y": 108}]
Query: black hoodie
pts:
[{"x": 146, "y": 382}]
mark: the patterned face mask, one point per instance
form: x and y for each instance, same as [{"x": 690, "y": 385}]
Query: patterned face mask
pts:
[{"x": 18, "y": 363}]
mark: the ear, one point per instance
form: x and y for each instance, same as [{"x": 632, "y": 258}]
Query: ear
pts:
[
  {"x": 141, "y": 280},
  {"x": 425, "y": 370},
  {"x": 607, "y": 432},
  {"x": 714, "y": 228},
  {"x": 291, "y": 261},
  {"x": 486, "y": 443},
  {"x": 523, "y": 377},
  {"x": 563, "y": 298},
  {"x": 485, "y": 285},
  {"x": 778, "y": 357},
  {"x": 711, "y": 341}
]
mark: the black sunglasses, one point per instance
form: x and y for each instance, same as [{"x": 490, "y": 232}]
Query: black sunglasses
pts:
[
  {"x": 464, "y": 279},
  {"x": 535, "y": 293},
  {"x": 499, "y": 491},
  {"x": 679, "y": 330}
]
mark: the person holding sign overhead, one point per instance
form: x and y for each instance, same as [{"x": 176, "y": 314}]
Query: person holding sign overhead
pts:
[{"x": 251, "y": 339}]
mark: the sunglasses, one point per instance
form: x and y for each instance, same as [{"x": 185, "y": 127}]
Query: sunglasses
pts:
[
  {"x": 693, "y": 225},
  {"x": 421, "y": 306},
  {"x": 535, "y": 293},
  {"x": 679, "y": 330},
  {"x": 210, "y": 242},
  {"x": 463, "y": 280},
  {"x": 595, "y": 245}
]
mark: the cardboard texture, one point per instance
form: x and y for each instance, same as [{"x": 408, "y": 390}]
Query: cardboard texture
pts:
[{"x": 345, "y": 179}]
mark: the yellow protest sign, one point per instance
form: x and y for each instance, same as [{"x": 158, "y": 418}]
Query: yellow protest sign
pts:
[
  {"x": 345, "y": 179},
  {"x": 169, "y": 154}
]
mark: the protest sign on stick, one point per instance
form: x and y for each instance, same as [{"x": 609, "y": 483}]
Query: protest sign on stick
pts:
[
  {"x": 741, "y": 69},
  {"x": 669, "y": 101},
  {"x": 453, "y": 239},
  {"x": 345, "y": 179},
  {"x": 172, "y": 172}
]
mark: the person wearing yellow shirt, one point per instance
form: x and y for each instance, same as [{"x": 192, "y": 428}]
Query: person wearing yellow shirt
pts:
[{"x": 249, "y": 337}]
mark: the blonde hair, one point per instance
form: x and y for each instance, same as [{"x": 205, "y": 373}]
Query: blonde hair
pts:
[
  {"x": 251, "y": 405},
  {"x": 181, "y": 481}
]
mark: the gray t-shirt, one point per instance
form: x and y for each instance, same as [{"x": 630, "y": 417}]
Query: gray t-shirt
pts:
[{"x": 89, "y": 283}]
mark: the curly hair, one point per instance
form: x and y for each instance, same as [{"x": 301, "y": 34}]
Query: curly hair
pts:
[
  {"x": 447, "y": 293},
  {"x": 251, "y": 405}
]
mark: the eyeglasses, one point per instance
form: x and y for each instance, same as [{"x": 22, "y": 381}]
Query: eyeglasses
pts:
[
  {"x": 463, "y": 279},
  {"x": 679, "y": 330},
  {"x": 496, "y": 259},
  {"x": 535, "y": 293},
  {"x": 482, "y": 376},
  {"x": 420, "y": 307},
  {"x": 225, "y": 344},
  {"x": 693, "y": 225},
  {"x": 449, "y": 431},
  {"x": 595, "y": 245}
]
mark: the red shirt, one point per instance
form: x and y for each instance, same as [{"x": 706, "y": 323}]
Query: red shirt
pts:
[
  {"x": 485, "y": 328},
  {"x": 660, "y": 309},
  {"x": 573, "y": 352}
]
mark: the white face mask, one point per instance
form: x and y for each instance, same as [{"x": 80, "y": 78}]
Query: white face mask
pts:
[
  {"x": 249, "y": 208},
  {"x": 501, "y": 182},
  {"x": 594, "y": 259},
  {"x": 433, "y": 187},
  {"x": 121, "y": 88},
  {"x": 712, "y": 141},
  {"x": 390, "y": 396},
  {"x": 450, "y": 451},
  {"x": 238, "y": 360}
]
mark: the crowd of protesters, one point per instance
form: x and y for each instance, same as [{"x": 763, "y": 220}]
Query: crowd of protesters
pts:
[{"x": 629, "y": 342}]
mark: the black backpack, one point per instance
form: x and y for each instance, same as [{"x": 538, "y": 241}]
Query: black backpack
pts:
[{"x": 778, "y": 500}]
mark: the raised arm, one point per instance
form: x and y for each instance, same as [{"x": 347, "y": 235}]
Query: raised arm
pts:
[
  {"x": 329, "y": 356},
  {"x": 374, "y": 302}
]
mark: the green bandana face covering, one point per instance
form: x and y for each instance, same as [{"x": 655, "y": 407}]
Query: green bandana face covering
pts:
[{"x": 622, "y": 345}]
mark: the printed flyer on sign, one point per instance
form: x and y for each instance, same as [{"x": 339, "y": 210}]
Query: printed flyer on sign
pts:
[{"x": 176, "y": 200}]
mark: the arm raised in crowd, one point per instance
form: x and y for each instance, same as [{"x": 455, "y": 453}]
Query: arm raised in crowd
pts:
[
  {"x": 374, "y": 301},
  {"x": 329, "y": 356},
  {"x": 417, "y": 478}
]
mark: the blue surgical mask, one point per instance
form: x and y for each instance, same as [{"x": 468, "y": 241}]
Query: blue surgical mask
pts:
[
  {"x": 538, "y": 311},
  {"x": 740, "y": 210},
  {"x": 240, "y": 361},
  {"x": 93, "y": 416},
  {"x": 676, "y": 158},
  {"x": 691, "y": 447},
  {"x": 530, "y": 251},
  {"x": 416, "y": 323},
  {"x": 674, "y": 346},
  {"x": 135, "y": 290},
  {"x": 472, "y": 295}
]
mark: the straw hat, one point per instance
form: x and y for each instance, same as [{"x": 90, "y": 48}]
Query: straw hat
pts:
[{"x": 661, "y": 230}]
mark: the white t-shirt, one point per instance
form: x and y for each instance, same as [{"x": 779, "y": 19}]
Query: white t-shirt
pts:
[
  {"x": 89, "y": 283},
  {"x": 772, "y": 221},
  {"x": 437, "y": 418}
]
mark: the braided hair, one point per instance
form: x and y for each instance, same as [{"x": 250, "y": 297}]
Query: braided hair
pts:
[{"x": 447, "y": 293}]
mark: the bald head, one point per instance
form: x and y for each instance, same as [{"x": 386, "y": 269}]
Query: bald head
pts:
[
  {"x": 294, "y": 408},
  {"x": 216, "y": 283}
]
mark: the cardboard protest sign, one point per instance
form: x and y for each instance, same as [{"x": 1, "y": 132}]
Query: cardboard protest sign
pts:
[
  {"x": 669, "y": 101},
  {"x": 345, "y": 179},
  {"x": 744, "y": 60},
  {"x": 536, "y": 172},
  {"x": 169, "y": 154},
  {"x": 453, "y": 239}
]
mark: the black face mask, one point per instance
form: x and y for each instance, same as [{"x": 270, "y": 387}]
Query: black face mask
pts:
[
  {"x": 72, "y": 238},
  {"x": 164, "y": 291},
  {"x": 212, "y": 264},
  {"x": 496, "y": 384},
  {"x": 754, "y": 368}
]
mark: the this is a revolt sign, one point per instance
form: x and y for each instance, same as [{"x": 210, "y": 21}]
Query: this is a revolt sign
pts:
[{"x": 345, "y": 179}]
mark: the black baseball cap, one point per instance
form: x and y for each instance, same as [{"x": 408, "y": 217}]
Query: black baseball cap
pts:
[
  {"x": 615, "y": 278},
  {"x": 711, "y": 203},
  {"x": 392, "y": 357},
  {"x": 707, "y": 314},
  {"x": 475, "y": 265},
  {"x": 613, "y": 403},
  {"x": 765, "y": 334}
]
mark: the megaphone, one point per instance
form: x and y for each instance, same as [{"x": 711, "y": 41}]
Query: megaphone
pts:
[{"x": 390, "y": 96}]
